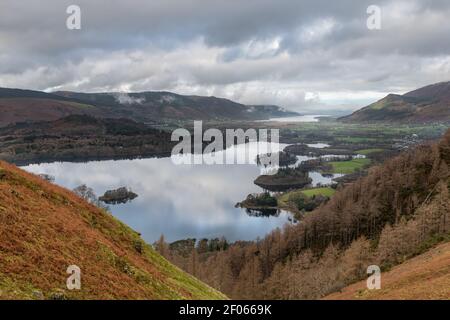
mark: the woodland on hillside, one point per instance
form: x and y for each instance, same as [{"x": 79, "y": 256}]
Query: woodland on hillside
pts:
[
  {"x": 81, "y": 138},
  {"x": 398, "y": 210}
]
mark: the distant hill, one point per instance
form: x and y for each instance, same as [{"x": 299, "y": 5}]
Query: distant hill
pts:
[
  {"x": 45, "y": 228},
  {"x": 149, "y": 106},
  {"x": 18, "y": 105},
  {"x": 424, "y": 105}
]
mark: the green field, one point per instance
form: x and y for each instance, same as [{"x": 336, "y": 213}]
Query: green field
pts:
[
  {"x": 347, "y": 167},
  {"x": 372, "y": 135},
  {"x": 327, "y": 192},
  {"x": 287, "y": 197},
  {"x": 369, "y": 151},
  {"x": 356, "y": 139}
]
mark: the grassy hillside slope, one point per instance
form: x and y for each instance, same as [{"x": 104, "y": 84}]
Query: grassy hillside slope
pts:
[
  {"x": 45, "y": 228},
  {"x": 424, "y": 277}
]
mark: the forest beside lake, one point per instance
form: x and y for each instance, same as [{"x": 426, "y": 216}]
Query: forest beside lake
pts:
[{"x": 399, "y": 210}]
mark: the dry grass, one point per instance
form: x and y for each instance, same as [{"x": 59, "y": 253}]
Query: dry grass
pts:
[
  {"x": 424, "y": 277},
  {"x": 45, "y": 228}
]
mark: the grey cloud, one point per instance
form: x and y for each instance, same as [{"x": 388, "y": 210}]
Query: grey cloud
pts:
[{"x": 255, "y": 51}]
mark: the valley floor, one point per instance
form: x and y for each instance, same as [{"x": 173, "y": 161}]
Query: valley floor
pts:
[{"x": 426, "y": 276}]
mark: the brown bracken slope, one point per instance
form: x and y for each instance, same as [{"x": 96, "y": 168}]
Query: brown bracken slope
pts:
[
  {"x": 424, "y": 277},
  {"x": 13, "y": 110},
  {"x": 45, "y": 228}
]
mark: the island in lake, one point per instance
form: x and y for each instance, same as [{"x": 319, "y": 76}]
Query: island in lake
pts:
[{"x": 121, "y": 195}]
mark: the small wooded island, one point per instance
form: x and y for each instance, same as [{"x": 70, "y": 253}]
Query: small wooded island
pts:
[
  {"x": 121, "y": 195},
  {"x": 284, "y": 179}
]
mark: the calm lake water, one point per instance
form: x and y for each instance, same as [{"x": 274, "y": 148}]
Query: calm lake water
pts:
[
  {"x": 305, "y": 118},
  {"x": 179, "y": 201}
]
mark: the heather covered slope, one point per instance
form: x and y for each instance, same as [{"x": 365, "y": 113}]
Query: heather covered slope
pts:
[
  {"x": 424, "y": 105},
  {"x": 45, "y": 228}
]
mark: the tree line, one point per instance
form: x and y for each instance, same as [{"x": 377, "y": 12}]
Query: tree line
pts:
[{"x": 400, "y": 209}]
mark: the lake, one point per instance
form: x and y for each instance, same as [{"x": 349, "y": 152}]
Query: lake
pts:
[
  {"x": 304, "y": 118},
  {"x": 179, "y": 201}
]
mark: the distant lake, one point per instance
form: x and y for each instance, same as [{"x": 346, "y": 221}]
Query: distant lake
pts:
[
  {"x": 318, "y": 145},
  {"x": 305, "y": 118},
  {"x": 179, "y": 201}
]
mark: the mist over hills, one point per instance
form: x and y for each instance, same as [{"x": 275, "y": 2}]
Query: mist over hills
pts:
[{"x": 18, "y": 105}]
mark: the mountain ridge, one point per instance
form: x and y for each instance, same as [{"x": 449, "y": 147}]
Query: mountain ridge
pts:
[
  {"x": 18, "y": 105},
  {"x": 428, "y": 104}
]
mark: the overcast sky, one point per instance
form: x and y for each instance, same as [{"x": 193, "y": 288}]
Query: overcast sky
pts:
[{"x": 304, "y": 55}]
